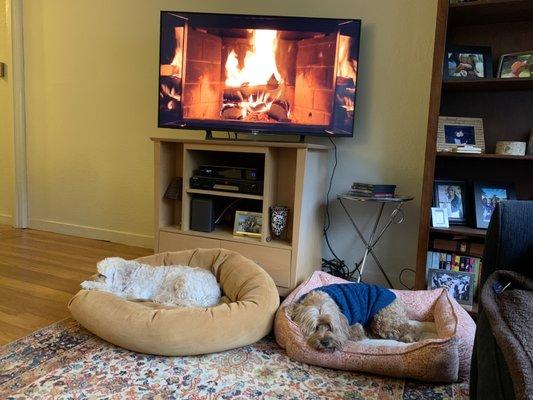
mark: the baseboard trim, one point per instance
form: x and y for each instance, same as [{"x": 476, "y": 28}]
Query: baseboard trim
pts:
[
  {"x": 6, "y": 219},
  {"x": 129, "y": 238}
]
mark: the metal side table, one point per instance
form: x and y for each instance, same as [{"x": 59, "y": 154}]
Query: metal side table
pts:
[{"x": 396, "y": 217}]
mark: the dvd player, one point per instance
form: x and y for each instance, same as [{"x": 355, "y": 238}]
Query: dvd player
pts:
[
  {"x": 227, "y": 185},
  {"x": 219, "y": 171}
]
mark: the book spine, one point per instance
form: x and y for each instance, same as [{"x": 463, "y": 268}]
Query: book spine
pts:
[{"x": 448, "y": 262}]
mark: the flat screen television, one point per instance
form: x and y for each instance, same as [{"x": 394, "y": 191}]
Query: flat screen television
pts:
[{"x": 258, "y": 74}]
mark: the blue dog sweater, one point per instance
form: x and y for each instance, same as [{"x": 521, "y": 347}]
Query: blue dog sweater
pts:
[{"x": 359, "y": 302}]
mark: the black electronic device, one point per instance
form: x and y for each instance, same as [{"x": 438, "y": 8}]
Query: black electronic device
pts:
[
  {"x": 258, "y": 74},
  {"x": 173, "y": 191},
  {"x": 227, "y": 185},
  {"x": 202, "y": 214},
  {"x": 218, "y": 171}
]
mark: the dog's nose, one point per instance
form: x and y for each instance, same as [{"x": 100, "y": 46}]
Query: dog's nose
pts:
[{"x": 324, "y": 343}]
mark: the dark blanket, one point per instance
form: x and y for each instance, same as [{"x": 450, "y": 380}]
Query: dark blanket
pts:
[{"x": 510, "y": 315}]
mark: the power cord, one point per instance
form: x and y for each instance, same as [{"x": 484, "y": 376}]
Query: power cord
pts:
[
  {"x": 400, "y": 277},
  {"x": 335, "y": 266},
  {"x": 226, "y": 209}
]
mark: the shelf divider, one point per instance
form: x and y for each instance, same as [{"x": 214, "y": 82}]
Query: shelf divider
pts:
[{"x": 224, "y": 194}]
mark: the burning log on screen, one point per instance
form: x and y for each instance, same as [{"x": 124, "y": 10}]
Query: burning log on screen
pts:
[
  {"x": 256, "y": 103},
  {"x": 344, "y": 102},
  {"x": 345, "y": 93},
  {"x": 232, "y": 111},
  {"x": 170, "y": 93},
  {"x": 279, "y": 111}
]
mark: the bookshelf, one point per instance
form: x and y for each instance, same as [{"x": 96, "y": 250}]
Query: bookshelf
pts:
[
  {"x": 486, "y": 156},
  {"x": 488, "y": 85},
  {"x": 458, "y": 230},
  {"x": 504, "y": 104}
]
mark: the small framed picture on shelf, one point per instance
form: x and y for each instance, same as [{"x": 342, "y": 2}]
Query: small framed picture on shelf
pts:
[
  {"x": 467, "y": 62},
  {"x": 451, "y": 196},
  {"x": 454, "y": 132},
  {"x": 486, "y": 196},
  {"x": 516, "y": 65},
  {"x": 460, "y": 285},
  {"x": 439, "y": 217},
  {"x": 248, "y": 223}
]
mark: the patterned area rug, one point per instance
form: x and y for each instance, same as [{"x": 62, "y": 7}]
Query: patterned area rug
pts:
[{"x": 64, "y": 361}]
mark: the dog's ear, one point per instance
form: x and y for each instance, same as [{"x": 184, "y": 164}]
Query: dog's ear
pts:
[
  {"x": 290, "y": 310},
  {"x": 339, "y": 325},
  {"x": 179, "y": 283}
]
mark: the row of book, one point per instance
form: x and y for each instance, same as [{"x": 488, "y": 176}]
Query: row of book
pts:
[
  {"x": 453, "y": 262},
  {"x": 369, "y": 190}
]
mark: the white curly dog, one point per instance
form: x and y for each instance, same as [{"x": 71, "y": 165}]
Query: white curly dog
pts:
[{"x": 174, "y": 285}]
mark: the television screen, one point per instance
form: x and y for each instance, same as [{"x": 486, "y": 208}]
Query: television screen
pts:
[{"x": 258, "y": 74}]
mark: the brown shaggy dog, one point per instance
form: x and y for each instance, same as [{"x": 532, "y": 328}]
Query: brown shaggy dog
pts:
[{"x": 326, "y": 328}]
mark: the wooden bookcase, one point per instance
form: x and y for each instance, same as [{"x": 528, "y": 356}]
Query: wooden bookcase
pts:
[
  {"x": 506, "y": 106},
  {"x": 295, "y": 175}
]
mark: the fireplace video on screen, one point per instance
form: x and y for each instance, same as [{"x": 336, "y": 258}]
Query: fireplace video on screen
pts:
[{"x": 258, "y": 74}]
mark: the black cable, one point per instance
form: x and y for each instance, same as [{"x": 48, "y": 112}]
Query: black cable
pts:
[
  {"x": 336, "y": 266},
  {"x": 327, "y": 225},
  {"x": 400, "y": 277},
  {"x": 328, "y": 219},
  {"x": 226, "y": 209}
]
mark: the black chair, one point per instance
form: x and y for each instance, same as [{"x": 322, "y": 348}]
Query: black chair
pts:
[{"x": 509, "y": 246}]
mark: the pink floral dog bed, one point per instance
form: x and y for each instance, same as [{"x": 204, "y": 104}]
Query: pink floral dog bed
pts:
[{"x": 443, "y": 356}]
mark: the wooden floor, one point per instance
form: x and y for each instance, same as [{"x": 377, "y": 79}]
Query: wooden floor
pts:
[{"x": 39, "y": 273}]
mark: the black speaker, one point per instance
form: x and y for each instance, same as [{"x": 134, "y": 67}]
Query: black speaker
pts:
[{"x": 202, "y": 214}]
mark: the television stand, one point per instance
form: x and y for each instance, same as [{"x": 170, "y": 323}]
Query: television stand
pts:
[{"x": 295, "y": 175}]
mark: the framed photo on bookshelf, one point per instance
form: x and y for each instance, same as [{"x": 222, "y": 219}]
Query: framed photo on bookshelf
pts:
[
  {"x": 451, "y": 196},
  {"x": 453, "y": 132},
  {"x": 460, "y": 285},
  {"x": 486, "y": 196},
  {"x": 439, "y": 217},
  {"x": 516, "y": 65},
  {"x": 467, "y": 62}
]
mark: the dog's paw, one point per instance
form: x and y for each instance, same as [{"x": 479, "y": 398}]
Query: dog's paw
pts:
[
  {"x": 413, "y": 334},
  {"x": 357, "y": 332},
  {"x": 409, "y": 338}
]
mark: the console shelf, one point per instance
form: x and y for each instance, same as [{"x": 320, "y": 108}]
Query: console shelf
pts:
[
  {"x": 224, "y": 194},
  {"x": 295, "y": 175},
  {"x": 226, "y": 234}
]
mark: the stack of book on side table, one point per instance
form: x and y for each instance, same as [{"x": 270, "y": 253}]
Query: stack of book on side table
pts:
[{"x": 370, "y": 190}]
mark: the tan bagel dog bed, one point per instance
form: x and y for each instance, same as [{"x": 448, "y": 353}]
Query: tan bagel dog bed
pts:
[{"x": 245, "y": 314}]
